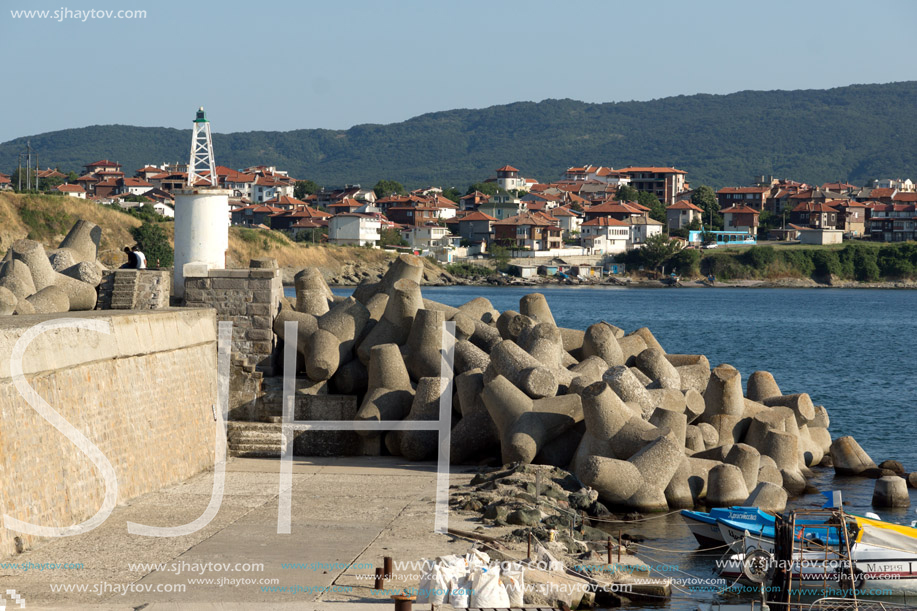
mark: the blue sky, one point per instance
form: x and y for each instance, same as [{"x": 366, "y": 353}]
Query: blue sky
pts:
[{"x": 286, "y": 64}]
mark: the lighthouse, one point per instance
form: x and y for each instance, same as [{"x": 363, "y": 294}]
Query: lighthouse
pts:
[{"x": 201, "y": 211}]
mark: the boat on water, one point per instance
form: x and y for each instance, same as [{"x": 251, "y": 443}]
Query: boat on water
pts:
[
  {"x": 876, "y": 557},
  {"x": 704, "y": 527}
]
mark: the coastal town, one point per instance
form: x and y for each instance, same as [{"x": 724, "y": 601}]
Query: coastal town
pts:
[{"x": 589, "y": 210}]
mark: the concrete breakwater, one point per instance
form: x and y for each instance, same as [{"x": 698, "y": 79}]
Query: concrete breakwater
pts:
[{"x": 646, "y": 429}]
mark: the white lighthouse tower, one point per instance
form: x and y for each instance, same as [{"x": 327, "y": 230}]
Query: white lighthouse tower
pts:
[{"x": 201, "y": 212}]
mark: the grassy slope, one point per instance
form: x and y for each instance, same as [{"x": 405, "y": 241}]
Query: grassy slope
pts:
[{"x": 47, "y": 219}]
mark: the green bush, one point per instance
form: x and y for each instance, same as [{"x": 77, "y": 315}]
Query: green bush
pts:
[
  {"x": 724, "y": 266},
  {"x": 470, "y": 270},
  {"x": 799, "y": 260},
  {"x": 759, "y": 257},
  {"x": 154, "y": 243},
  {"x": 687, "y": 262},
  {"x": 826, "y": 262}
]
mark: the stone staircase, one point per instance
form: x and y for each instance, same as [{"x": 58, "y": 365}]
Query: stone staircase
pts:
[{"x": 253, "y": 439}]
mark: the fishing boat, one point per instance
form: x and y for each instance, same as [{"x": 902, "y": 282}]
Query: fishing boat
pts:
[
  {"x": 871, "y": 556},
  {"x": 704, "y": 525}
]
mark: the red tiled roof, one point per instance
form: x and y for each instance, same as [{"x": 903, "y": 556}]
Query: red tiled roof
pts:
[
  {"x": 905, "y": 197},
  {"x": 881, "y": 192},
  {"x": 814, "y": 207},
  {"x": 684, "y": 204},
  {"x": 740, "y": 210},
  {"x": 87, "y": 178},
  {"x": 70, "y": 189},
  {"x": 507, "y": 168},
  {"x": 134, "y": 182},
  {"x": 347, "y": 203},
  {"x": 103, "y": 163},
  {"x": 477, "y": 216},
  {"x": 527, "y": 218},
  {"x": 150, "y": 168},
  {"x": 309, "y": 223}
]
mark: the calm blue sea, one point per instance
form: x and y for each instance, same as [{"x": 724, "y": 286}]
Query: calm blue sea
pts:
[{"x": 851, "y": 350}]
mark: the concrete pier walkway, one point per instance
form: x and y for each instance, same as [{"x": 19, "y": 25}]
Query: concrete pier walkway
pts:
[{"x": 347, "y": 513}]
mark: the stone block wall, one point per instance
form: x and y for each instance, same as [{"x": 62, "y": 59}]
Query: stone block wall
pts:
[
  {"x": 250, "y": 299},
  {"x": 134, "y": 289},
  {"x": 144, "y": 394}
]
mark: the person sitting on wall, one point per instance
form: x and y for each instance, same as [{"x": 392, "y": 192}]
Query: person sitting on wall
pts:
[
  {"x": 141, "y": 258},
  {"x": 132, "y": 259}
]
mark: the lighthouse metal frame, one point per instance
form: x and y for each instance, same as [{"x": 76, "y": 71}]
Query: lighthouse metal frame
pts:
[{"x": 201, "y": 152}]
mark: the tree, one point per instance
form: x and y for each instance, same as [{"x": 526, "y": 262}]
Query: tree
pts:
[
  {"x": 576, "y": 206},
  {"x": 627, "y": 193},
  {"x": 500, "y": 256},
  {"x": 391, "y": 237},
  {"x": 487, "y": 188},
  {"x": 452, "y": 194},
  {"x": 384, "y": 188},
  {"x": 72, "y": 176},
  {"x": 154, "y": 243},
  {"x": 304, "y": 188},
  {"x": 657, "y": 250},
  {"x": 657, "y": 209},
  {"x": 704, "y": 197}
]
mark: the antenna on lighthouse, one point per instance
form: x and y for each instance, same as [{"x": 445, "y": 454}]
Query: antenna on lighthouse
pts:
[{"x": 201, "y": 152}]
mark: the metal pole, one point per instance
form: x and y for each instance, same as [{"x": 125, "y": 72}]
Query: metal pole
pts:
[
  {"x": 609, "y": 550},
  {"x": 528, "y": 549},
  {"x": 36, "y": 171}
]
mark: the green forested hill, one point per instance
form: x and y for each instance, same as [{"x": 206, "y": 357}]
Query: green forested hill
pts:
[{"x": 855, "y": 133}]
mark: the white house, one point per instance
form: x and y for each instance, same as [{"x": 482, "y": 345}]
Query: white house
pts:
[
  {"x": 605, "y": 235},
  {"x": 568, "y": 220},
  {"x": 133, "y": 186},
  {"x": 641, "y": 228},
  {"x": 354, "y": 229},
  {"x": 426, "y": 237},
  {"x": 265, "y": 188},
  {"x": 508, "y": 178},
  {"x": 164, "y": 209},
  {"x": 71, "y": 190}
]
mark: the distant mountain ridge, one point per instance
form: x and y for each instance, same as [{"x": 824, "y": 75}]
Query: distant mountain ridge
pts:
[{"x": 852, "y": 133}]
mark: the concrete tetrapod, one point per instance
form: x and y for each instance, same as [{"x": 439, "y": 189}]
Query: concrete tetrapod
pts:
[
  {"x": 657, "y": 462},
  {"x": 475, "y": 434},
  {"x": 631, "y": 346},
  {"x": 768, "y": 496},
  {"x": 421, "y": 445},
  {"x": 389, "y": 394},
  {"x": 604, "y": 412},
  {"x": 346, "y": 320},
  {"x": 464, "y": 325},
  {"x": 891, "y": 491},
  {"x": 801, "y": 405},
  {"x": 468, "y": 357},
  {"x": 49, "y": 300},
  {"x": 535, "y": 306},
  {"x": 653, "y": 363},
  {"x": 84, "y": 239},
  {"x": 511, "y": 324},
  {"x": 481, "y": 309},
  {"x": 615, "y": 480},
  {"x": 586, "y": 372},
  {"x": 8, "y": 301},
  {"x": 849, "y": 458},
  {"x": 81, "y": 296},
  {"x": 524, "y": 425},
  {"x": 423, "y": 349},
  {"x": 522, "y": 369},
  {"x": 725, "y": 486},
  {"x": 693, "y": 369},
  {"x": 404, "y": 300},
  {"x": 724, "y": 393},
  {"x": 676, "y": 422},
  {"x": 628, "y": 387},
  {"x": 783, "y": 447},
  {"x": 404, "y": 267},
  {"x": 748, "y": 459},
  {"x": 545, "y": 344},
  {"x": 85, "y": 271},
  {"x": 599, "y": 340},
  {"x": 15, "y": 276},
  {"x": 761, "y": 386}
]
